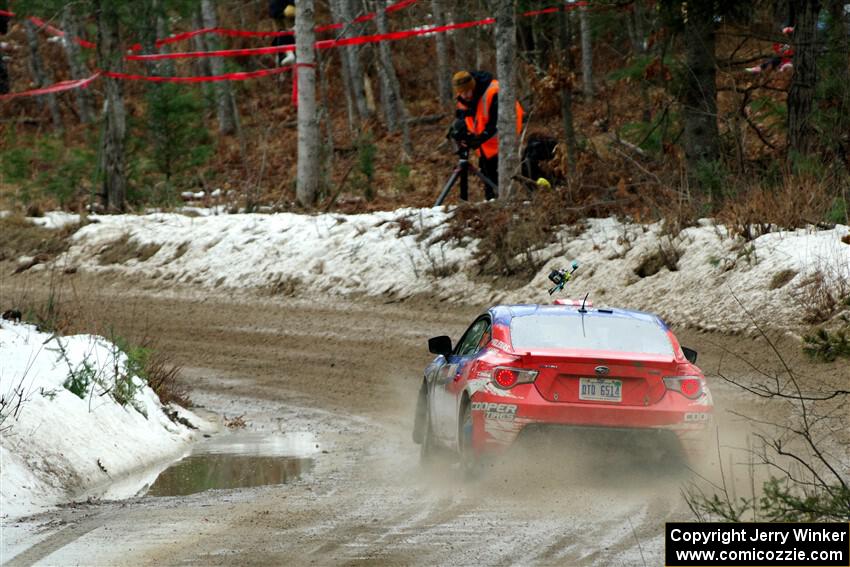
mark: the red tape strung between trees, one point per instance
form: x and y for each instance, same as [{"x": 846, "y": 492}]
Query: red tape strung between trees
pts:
[
  {"x": 330, "y": 43},
  {"x": 242, "y": 76},
  {"x": 82, "y": 83},
  {"x": 56, "y": 88},
  {"x": 325, "y": 44},
  {"x": 401, "y": 4}
]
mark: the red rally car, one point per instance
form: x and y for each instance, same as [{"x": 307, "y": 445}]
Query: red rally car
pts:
[{"x": 530, "y": 367}]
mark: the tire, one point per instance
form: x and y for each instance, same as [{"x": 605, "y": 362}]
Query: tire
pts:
[
  {"x": 470, "y": 463},
  {"x": 419, "y": 417},
  {"x": 428, "y": 450}
]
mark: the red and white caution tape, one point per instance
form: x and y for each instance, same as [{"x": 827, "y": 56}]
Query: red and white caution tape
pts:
[
  {"x": 56, "y": 88},
  {"x": 242, "y": 76},
  {"x": 331, "y": 43}
]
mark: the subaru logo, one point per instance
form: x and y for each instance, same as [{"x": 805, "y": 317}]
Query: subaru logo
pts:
[{"x": 601, "y": 370}]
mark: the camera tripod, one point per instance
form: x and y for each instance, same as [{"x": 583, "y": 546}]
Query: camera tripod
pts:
[{"x": 461, "y": 171}]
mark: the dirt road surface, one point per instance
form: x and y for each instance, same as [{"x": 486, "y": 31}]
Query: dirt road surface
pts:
[{"x": 348, "y": 372}]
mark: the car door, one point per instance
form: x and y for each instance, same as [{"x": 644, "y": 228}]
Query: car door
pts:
[{"x": 449, "y": 381}]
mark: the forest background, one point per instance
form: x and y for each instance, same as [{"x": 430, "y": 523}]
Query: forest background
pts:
[{"x": 652, "y": 107}]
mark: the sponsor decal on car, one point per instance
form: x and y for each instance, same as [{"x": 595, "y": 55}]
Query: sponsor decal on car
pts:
[
  {"x": 493, "y": 410},
  {"x": 697, "y": 416},
  {"x": 500, "y": 345}
]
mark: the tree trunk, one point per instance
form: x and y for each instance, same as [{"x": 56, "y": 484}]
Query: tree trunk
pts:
[
  {"x": 395, "y": 111},
  {"x": 41, "y": 76},
  {"x": 566, "y": 41},
  {"x": 464, "y": 50},
  {"x": 4, "y": 28},
  {"x": 802, "y": 92},
  {"x": 326, "y": 116},
  {"x": 636, "y": 25},
  {"x": 4, "y": 76},
  {"x": 352, "y": 52},
  {"x": 202, "y": 64},
  {"x": 307, "y": 182},
  {"x": 699, "y": 98},
  {"x": 839, "y": 93},
  {"x": 444, "y": 86},
  {"x": 505, "y": 67},
  {"x": 111, "y": 58},
  {"x": 586, "y": 53},
  {"x": 76, "y": 62},
  {"x": 347, "y": 82},
  {"x": 226, "y": 106}
]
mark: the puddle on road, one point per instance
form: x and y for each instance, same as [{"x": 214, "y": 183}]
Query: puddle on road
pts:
[{"x": 238, "y": 460}]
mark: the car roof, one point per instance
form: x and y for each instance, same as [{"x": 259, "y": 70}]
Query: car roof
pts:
[{"x": 502, "y": 314}]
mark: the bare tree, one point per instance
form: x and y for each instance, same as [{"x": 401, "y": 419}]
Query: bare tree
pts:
[
  {"x": 811, "y": 483},
  {"x": 307, "y": 182},
  {"x": 202, "y": 64},
  {"x": 636, "y": 25},
  {"x": 802, "y": 92},
  {"x": 586, "y": 53},
  {"x": 71, "y": 24},
  {"x": 42, "y": 76},
  {"x": 566, "y": 44},
  {"x": 699, "y": 96},
  {"x": 464, "y": 39},
  {"x": 352, "y": 53},
  {"x": 505, "y": 67},
  {"x": 111, "y": 57},
  {"x": 4, "y": 29},
  {"x": 394, "y": 109},
  {"x": 336, "y": 14},
  {"x": 228, "y": 119},
  {"x": 444, "y": 86}
]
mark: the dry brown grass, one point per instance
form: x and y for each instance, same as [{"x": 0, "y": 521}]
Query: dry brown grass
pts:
[
  {"x": 796, "y": 202},
  {"x": 19, "y": 237},
  {"x": 821, "y": 297},
  {"x": 126, "y": 248},
  {"x": 164, "y": 378},
  {"x": 781, "y": 278}
]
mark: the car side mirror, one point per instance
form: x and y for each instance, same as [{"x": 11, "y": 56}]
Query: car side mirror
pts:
[
  {"x": 690, "y": 354},
  {"x": 440, "y": 345}
]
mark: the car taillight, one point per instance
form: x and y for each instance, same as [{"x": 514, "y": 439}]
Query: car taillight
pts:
[
  {"x": 506, "y": 378},
  {"x": 688, "y": 386}
]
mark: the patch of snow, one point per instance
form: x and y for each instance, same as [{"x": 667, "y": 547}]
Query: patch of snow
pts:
[
  {"x": 401, "y": 253},
  {"x": 56, "y": 446},
  {"x": 55, "y": 219}
]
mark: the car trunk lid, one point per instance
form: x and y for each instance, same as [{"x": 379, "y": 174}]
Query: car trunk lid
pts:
[{"x": 600, "y": 377}]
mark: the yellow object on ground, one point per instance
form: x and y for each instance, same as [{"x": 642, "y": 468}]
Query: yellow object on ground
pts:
[{"x": 543, "y": 183}]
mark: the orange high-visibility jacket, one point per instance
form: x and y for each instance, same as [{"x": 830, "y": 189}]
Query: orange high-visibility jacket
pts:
[{"x": 477, "y": 123}]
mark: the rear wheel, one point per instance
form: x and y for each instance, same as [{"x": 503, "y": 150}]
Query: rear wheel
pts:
[
  {"x": 470, "y": 463},
  {"x": 428, "y": 449}
]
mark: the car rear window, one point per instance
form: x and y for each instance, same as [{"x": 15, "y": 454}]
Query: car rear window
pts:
[{"x": 592, "y": 332}]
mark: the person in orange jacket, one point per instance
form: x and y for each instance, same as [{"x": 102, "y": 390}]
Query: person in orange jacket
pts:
[{"x": 477, "y": 95}]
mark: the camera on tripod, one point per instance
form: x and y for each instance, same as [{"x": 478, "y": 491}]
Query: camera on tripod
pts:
[{"x": 459, "y": 133}]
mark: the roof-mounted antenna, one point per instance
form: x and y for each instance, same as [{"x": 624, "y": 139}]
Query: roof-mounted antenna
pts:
[{"x": 583, "y": 301}]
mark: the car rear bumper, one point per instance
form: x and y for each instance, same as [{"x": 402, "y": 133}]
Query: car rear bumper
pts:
[{"x": 499, "y": 417}]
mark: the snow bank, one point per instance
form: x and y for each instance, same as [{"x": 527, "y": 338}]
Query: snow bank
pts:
[
  {"x": 400, "y": 253},
  {"x": 54, "y": 445}
]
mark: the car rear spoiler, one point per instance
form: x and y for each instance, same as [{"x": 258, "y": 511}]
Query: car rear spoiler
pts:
[{"x": 565, "y": 356}]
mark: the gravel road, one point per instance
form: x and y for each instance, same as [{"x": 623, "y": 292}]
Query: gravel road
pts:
[{"x": 347, "y": 371}]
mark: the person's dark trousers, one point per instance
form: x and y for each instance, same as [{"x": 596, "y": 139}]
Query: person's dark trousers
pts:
[{"x": 490, "y": 168}]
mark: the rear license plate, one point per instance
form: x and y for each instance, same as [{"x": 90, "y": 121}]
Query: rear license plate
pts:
[{"x": 600, "y": 390}]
